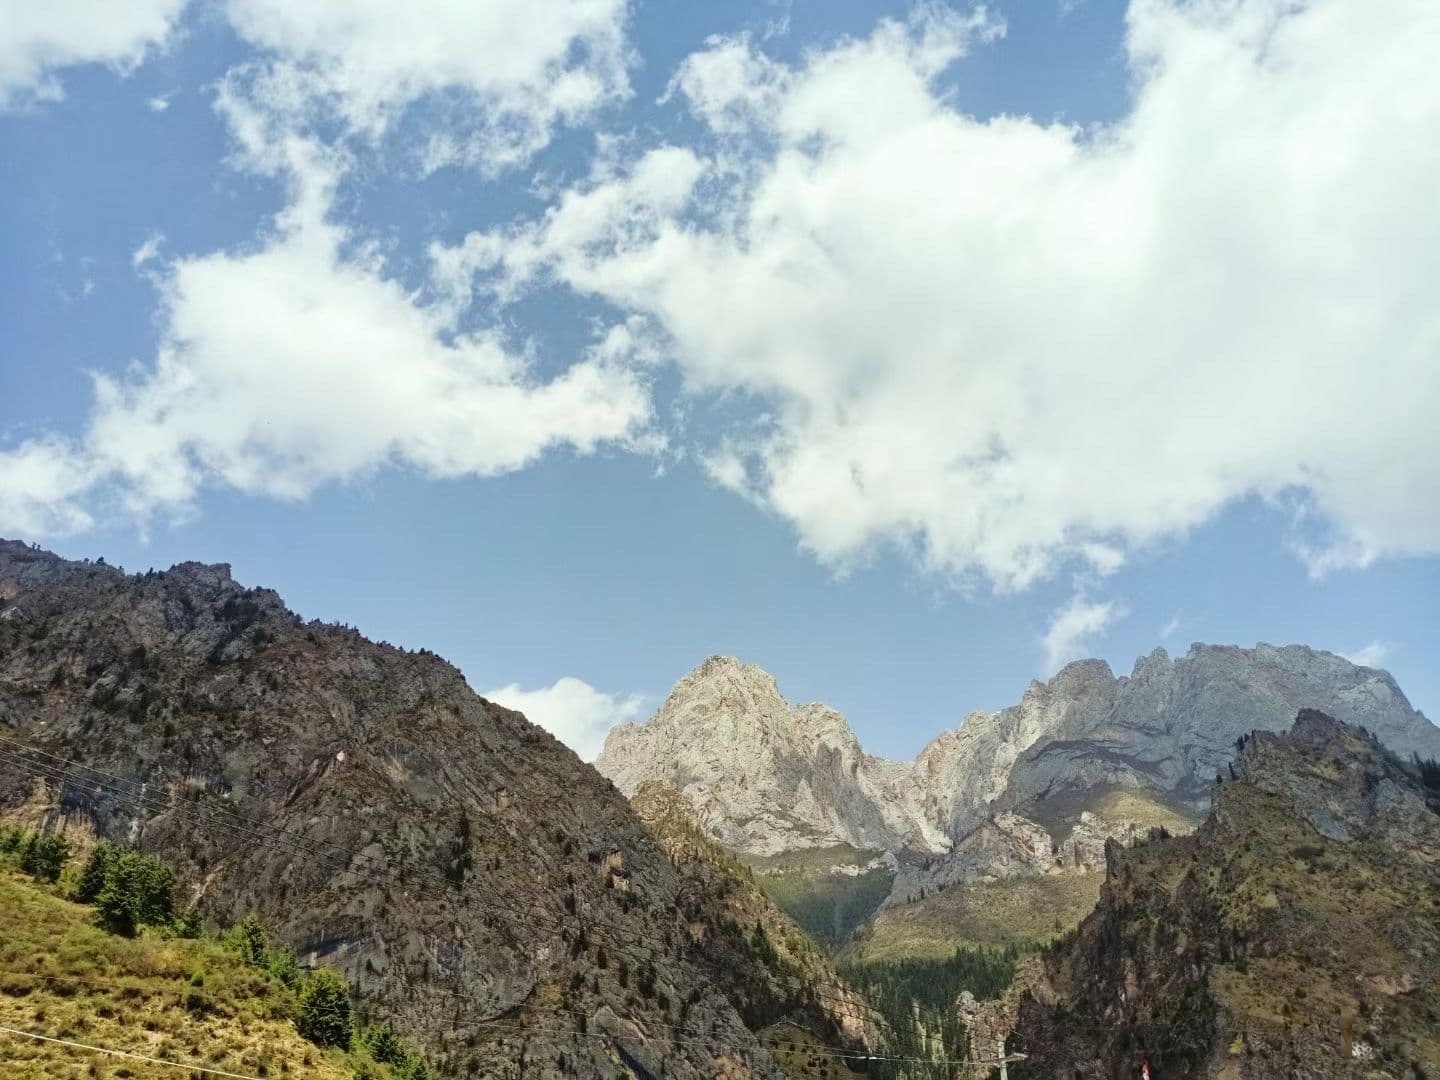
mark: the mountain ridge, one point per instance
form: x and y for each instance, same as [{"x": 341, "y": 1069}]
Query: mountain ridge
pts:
[
  {"x": 750, "y": 761},
  {"x": 1293, "y": 933},
  {"x": 1032, "y": 790},
  {"x": 461, "y": 867}
]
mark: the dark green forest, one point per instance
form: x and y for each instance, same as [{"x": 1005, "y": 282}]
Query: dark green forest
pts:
[{"x": 917, "y": 998}]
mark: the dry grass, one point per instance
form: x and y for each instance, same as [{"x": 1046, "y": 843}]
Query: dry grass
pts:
[{"x": 189, "y": 1001}]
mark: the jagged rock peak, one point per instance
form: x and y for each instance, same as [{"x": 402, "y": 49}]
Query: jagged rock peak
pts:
[
  {"x": 763, "y": 775},
  {"x": 766, "y": 776}
]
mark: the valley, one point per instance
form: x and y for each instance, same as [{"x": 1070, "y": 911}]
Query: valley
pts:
[{"x": 752, "y": 896}]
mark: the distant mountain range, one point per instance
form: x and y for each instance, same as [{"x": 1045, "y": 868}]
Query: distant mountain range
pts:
[{"x": 1034, "y": 789}]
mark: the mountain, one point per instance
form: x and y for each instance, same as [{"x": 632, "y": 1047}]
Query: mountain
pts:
[
  {"x": 1295, "y": 933},
  {"x": 461, "y": 868},
  {"x": 764, "y": 776},
  {"x": 1032, "y": 790}
]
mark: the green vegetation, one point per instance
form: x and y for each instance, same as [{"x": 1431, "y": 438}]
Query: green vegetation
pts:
[
  {"x": 137, "y": 890},
  {"x": 829, "y": 908},
  {"x": 324, "y": 1009},
  {"x": 43, "y": 855},
  {"x": 1022, "y": 911},
  {"x": 97, "y": 954},
  {"x": 917, "y": 997}
]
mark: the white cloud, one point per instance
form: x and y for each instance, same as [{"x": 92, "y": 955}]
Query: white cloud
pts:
[
  {"x": 299, "y": 363},
  {"x": 157, "y": 104},
  {"x": 1373, "y": 655},
  {"x": 1008, "y": 345},
  {"x": 41, "y": 484},
  {"x": 572, "y": 710},
  {"x": 39, "y": 39},
  {"x": 147, "y": 252},
  {"x": 1171, "y": 627},
  {"x": 499, "y": 75},
  {"x": 1074, "y": 628}
]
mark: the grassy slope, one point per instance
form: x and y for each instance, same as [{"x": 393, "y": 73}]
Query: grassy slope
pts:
[
  {"x": 1022, "y": 911},
  {"x": 137, "y": 995},
  {"x": 1058, "y": 813}
]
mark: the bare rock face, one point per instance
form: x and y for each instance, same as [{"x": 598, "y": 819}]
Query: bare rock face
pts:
[
  {"x": 761, "y": 775},
  {"x": 462, "y": 868}
]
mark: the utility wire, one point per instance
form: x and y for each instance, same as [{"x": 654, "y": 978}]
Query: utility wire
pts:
[
  {"x": 125, "y": 1054},
  {"x": 63, "y": 770},
  {"x": 707, "y": 1042},
  {"x": 60, "y": 769}
]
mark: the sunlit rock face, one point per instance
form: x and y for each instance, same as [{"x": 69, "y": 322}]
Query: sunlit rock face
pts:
[{"x": 1081, "y": 758}]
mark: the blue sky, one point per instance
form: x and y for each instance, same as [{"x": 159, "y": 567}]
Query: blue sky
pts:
[{"x": 905, "y": 350}]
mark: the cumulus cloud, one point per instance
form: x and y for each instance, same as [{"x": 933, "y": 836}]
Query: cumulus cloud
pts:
[
  {"x": 1373, "y": 655},
  {"x": 572, "y": 710},
  {"x": 42, "y": 484},
  {"x": 497, "y": 76},
  {"x": 1011, "y": 346},
  {"x": 299, "y": 363},
  {"x": 299, "y": 360},
  {"x": 39, "y": 39},
  {"x": 1075, "y": 627}
]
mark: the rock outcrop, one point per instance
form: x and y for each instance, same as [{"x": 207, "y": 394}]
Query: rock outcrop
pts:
[{"x": 1294, "y": 933}]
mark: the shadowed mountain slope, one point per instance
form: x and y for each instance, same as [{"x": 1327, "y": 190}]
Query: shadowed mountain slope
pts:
[{"x": 458, "y": 864}]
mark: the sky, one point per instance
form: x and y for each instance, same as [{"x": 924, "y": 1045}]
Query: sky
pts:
[{"x": 908, "y": 350}]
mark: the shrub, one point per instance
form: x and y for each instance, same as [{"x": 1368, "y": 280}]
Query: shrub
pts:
[
  {"x": 282, "y": 965},
  {"x": 249, "y": 938},
  {"x": 187, "y": 924},
  {"x": 92, "y": 877},
  {"x": 44, "y": 855},
  {"x": 324, "y": 1009},
  {"x": 386, "y": 1046},
  {"x": 138, "y": 890}
]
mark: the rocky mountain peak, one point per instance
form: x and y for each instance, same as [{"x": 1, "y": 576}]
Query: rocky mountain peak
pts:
[
  {"x": 1319, "y": 860},
  {"x": 762, "y": 775},
  {"x": 766, "y": 776}
]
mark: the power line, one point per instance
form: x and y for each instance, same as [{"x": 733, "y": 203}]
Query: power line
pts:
[
  {"x": 125, "y": 1054},
  {"x": 707, "y": 1042},
  {"x": 60, "y": 769},
  {"x": 64, "y": 770}
]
